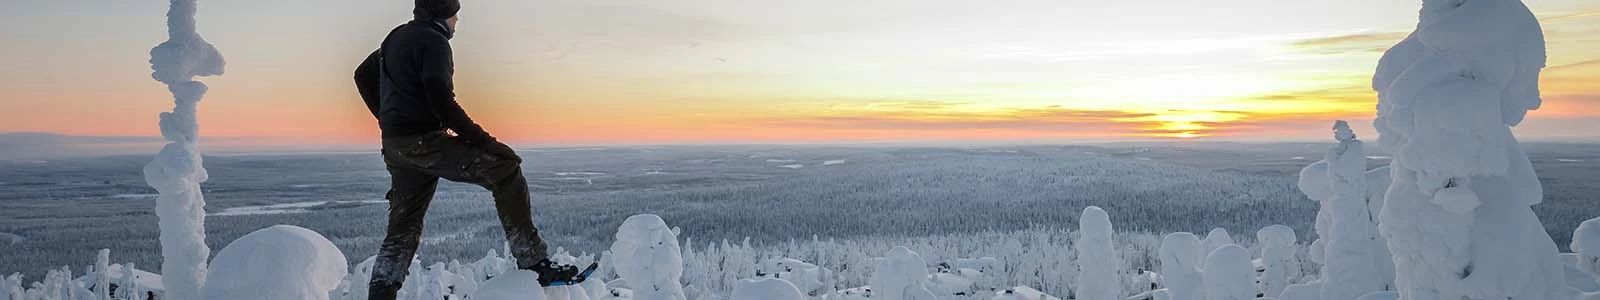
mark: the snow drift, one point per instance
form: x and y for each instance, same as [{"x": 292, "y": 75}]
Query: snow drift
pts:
[{"x": 281, "y": 262}]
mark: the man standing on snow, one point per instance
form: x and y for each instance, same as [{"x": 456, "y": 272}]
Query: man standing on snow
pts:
[{"x": 407, "y": 85}]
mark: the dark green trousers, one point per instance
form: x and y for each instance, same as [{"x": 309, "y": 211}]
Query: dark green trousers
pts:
[{"x": 415, "y": 165}]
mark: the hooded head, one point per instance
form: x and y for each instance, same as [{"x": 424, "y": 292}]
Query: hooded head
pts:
[{"x": 437, "y": 10}]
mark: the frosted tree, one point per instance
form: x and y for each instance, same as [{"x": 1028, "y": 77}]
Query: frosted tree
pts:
[
  {"x": 647, "y": 257},
  {"x": 1097, "y": 258},
  {"x": 1217, "y": 238},
  {"x": 1180, "y": 266},
  {"x": 11, "y": 287},
  {"x": 1586, "y": 243},
  {"x": 1277, "y": 257},
  {"x": 1457, "y": 216},
  {"x": 102, "y": 274},
  {"x": 1354, "y": 263},
  {"x": 1229, "y": 274},
  {"x": 176, "y": 172},
  {"x": 900, "y": 276},
  {"x": 1317, "y": 184}
]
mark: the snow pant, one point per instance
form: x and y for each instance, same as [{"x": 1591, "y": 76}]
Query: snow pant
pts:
[{"x": 415, "y": 165}]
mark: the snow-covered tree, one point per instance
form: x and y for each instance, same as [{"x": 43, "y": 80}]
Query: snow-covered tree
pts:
[
  {"x": 900, "y": 276},
  {"x": 647, "y": 257},
  {"x": 1278, "y": 259},
  {"x": 1354, "y": 261},
  {"x": 1180, "y": 266},
  {"x": 1217, "y": 238},
  {"x": 1586, "y": 244},
  {"x": 1229, "y": 274},
  {"x": 1098, "y": 278},
  {"x": 176, "y": 172},
  {"x": 1457, "y": 216}
]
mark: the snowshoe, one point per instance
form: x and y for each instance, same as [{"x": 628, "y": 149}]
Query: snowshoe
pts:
[{"x": 551, "y": 274}]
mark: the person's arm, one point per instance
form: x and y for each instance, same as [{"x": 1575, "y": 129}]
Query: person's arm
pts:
[
  {"x": 438, "y": 87},
  {"x": 366, "y": 77}
]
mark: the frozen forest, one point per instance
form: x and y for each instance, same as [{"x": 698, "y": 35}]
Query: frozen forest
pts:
[{"x": 1449, "y": 218}]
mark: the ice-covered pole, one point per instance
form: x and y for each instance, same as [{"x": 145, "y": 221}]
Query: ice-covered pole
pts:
[
  {"x": 1352, "y": 263},
  {"x": 176, "y": 172},
  {"x": 1457, "y": 216}
]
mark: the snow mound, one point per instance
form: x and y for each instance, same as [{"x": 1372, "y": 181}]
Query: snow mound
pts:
[
  {"x": 279, "y": 262},
  {"x": 804, "y": 276},
  {"x": 1381, "y": 295},
  {"x": 1022, "y": 293},
  {"x": 513, "y": 285},
  {"x": 765, "y": 289}
]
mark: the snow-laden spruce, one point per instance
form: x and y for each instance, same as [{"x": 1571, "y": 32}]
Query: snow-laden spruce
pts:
[
  {"x": 901, "y": 275},
  {"x": 176, "y": 172},
  {"x": 1215, "y": 239},
  {"x": 1354, "y": 262},
  {"x": 1097, "y": 258},
  {"x": 281, "y": 262},
  {"x": 1180, "y": 266},
  {"x": 1229, "y": 274},
  {"x": 1279, "y": 265},
  {"x": 1317, "y": 184},
  {"x": 1457, "y": 216},
  {"x": 1586, "y": 244},
  {"x": 647, "y": 257}
]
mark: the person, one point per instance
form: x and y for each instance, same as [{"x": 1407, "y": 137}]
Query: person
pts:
[{"x": 407, "y": 85}]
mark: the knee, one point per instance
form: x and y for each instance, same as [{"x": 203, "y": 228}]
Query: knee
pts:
[{"x": 497, "y": 171}]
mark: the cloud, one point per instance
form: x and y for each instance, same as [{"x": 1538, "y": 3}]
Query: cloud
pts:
[
  {"x": 1574, "y": 66},
  {"x": 1380, "y": 41},
  {"x": 37, "y": 145},
  {"x": 942, "y": 116},
  {"x": 1347, "y": 43},
  {"x": 1569, "y": 16}
]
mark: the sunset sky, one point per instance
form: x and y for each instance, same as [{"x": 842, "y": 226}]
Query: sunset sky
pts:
[{"x": 555, "y": 72}]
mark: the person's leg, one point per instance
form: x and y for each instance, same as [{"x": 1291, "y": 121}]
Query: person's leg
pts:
[
  {"x": 409, "y": 195},
  {"x": 511, "y": 202},
  {"x": 502, "y": 176}
]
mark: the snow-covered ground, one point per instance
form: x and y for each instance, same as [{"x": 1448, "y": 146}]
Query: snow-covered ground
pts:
[{"x": 287, "y": 208}]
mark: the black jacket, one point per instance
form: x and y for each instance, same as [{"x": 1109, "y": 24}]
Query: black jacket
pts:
[{"x": 408, "y": 86}]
